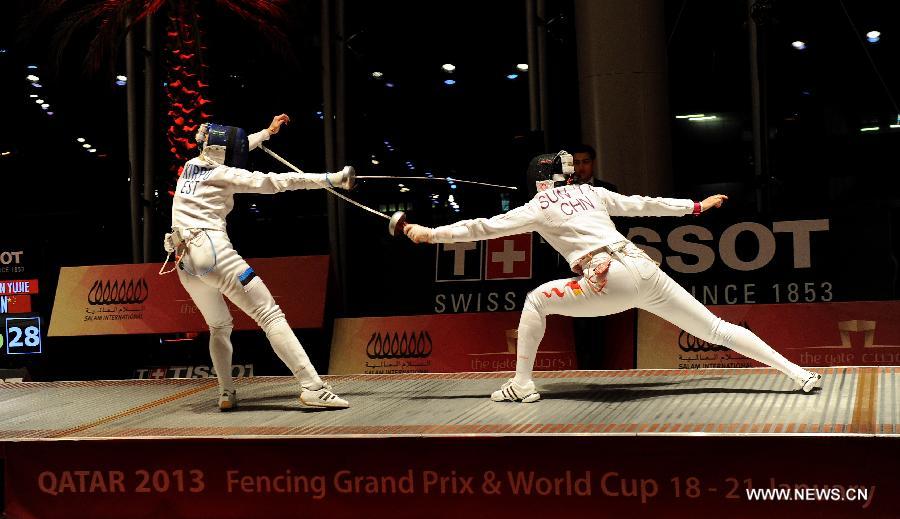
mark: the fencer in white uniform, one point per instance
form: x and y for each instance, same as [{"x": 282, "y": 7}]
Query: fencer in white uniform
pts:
[
  {"x": 208, "y": 265},
  {"x": 613, "y": 274}
]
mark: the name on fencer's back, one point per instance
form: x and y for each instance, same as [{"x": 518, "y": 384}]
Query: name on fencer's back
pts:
[
  {"x": 569, "y": 199},
  {"x": 191, "y": 176}
]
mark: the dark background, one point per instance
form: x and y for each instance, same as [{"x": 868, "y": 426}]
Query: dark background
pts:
[{"x": 66, "y": 207}]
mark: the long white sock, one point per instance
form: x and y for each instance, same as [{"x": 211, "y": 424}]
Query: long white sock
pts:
[
  {"x": 220, "y": 351},
  {"x": 750, "y": 345},
  {"x": 531, "y": 330},
  {"x": 291, "y": 352}
]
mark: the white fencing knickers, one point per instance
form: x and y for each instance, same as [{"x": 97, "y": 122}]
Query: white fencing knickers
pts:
[
  {"x": 634, "y": 281},
  {"x": 221, "y": 270}
]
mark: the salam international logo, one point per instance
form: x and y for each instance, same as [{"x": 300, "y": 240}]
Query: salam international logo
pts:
[
  {"x": 118, "y": 292},
  {"x": 394, "y": 345}
]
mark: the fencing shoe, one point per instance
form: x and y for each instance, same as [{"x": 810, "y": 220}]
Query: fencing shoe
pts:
[
  {"x": 810, "y": 382},
  {"x": 322, "y": 397},
  {"x": 227, "y": 400},
  {"x": 512, "y": 392}
]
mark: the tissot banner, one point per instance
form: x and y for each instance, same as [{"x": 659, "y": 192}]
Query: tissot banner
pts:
[
  {"x": 726, "y": 262},
  {"x": 443, "y": 343},
  {"x": 865, "y": 333},
  {"x": 134, "y": 298}
]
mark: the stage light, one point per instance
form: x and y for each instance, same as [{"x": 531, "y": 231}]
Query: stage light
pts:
[
  {"x": 38, "y": 101},
  {"x": 37, "y": 85},
  {"x": 121, "y": 78},
  {"x": 799, "y": 45},
  {"x": 80, "y": 139},
  {"x": 32, "y": 96},
  {"x": 6, "y": 153},
  {"x": 512, "y": 76},
  {"x": 50, "y": 113},
  {"x": 32, "y": 78},
  {"x": 689, "y": 116},
  {"x": 389, "y": 84},
  {"x": 870, "y": 129},
  {"x": 448, "y": 67},
  {"x": 449, "y": 81},
  {"x": 31, "y": 67},
  {"x": 377, "y": 75},
  {"x": 86, "y": 146},
  {"x": 45, "y": 106},
  {"x": 522, "y": 67},
  {"x": 375, "y": 162},
  {"x": 702, "y": 118},
  {"x": 121, "y": 83},
  {"x": 873, "y": 36},
  {"x": 92, "y": 150}
]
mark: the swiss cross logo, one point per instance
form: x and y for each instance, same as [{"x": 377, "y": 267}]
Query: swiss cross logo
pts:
[
  {"x": 500, "y": 258},
  {"x": 508, "y": 257},
  {"x": 158, "y": 373}
]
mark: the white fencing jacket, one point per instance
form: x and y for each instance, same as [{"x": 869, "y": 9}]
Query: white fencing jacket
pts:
[
  {"x": 573, "y": 219},
  {"x": 204, "y": 194}
]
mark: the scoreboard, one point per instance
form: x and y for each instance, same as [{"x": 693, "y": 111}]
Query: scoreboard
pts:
[{"x": 21, "y": 328}]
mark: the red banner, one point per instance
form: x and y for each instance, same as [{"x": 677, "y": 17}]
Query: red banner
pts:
[
  {"x": 12, "y": 287},
  {"x": 15, "y": 304},
  {"x": 863, "y": 333},
  {"x": 443, "y": 343},
  {"x": 134, "y": 298},
  {"x": 487, "y": 476}
]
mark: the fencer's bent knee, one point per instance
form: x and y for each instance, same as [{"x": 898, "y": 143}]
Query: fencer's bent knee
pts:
[
  {"x": 221, "y": 329},
  {"x": 533, "y": 300},
  {"x": 265, "y": 311}
]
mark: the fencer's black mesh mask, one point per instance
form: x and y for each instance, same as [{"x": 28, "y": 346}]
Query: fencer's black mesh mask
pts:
[
  {"x": 223, "y": 145},
  {"x": 550, "y": 170}
]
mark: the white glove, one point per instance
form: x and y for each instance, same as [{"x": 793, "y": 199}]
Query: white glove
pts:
[
  {"x": 169, "y": 243},
  {"x": 419, "y": 233},
  {"x": 173, "y": 240}
]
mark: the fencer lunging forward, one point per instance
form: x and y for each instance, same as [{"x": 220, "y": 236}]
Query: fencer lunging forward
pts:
[
  {"x": 208, "y": 265},
  {"x": 613, "y": 274}
]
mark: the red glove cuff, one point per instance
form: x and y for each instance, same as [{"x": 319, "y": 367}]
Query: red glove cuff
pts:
[{"x": 697, "y": 209}]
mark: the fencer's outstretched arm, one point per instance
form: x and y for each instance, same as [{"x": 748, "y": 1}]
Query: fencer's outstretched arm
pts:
[
  {"x": 243, "y": 181},
  {"x": 637, "y": 205},
  {"x": 517, "y": 221}
]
